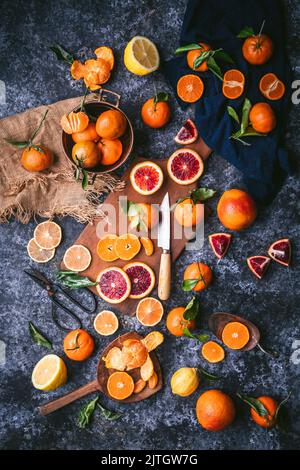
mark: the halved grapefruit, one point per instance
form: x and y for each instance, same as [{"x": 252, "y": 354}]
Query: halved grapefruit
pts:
[
  {"x": 113, "y": 285},
  {"x": 146, "y": 178},
  {"x": 185, "y": 166},
  {"x": 142, "y": 279}
]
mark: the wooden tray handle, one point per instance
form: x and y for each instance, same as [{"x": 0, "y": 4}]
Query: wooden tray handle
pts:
[{"x": 68, "y": 398}]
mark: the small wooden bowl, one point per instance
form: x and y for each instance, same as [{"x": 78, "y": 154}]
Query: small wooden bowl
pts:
[{"x": 95, "y": 106}]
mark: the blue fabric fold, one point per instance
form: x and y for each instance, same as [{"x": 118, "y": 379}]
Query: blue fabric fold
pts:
[{"x": 265, "y": 163}]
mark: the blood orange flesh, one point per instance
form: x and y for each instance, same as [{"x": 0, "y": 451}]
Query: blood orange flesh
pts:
[
  {"x": 220, "y": 243},
  {"x": 113, "y": 285},
  {"x": 187, "y": 134},
  {"x": 185, "y": 166},
  {"x": 146, "y": 178},
  {"x": 258, "y": 265},
  {"x": 280, "y": 251},
  {"x": 142, "y": 279}
]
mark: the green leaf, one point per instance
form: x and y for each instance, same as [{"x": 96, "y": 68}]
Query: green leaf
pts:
[
  {"x": 62, "y": 54},
  {"x": 232, "y": 112},
  {"x": 202, "y": 57},
  {"x": 245, "y": 115},
  {"x": 208, "y": 375},
  {"x": 222, "y": 55},
  {"x": 19, "y": 145},
  {"x": 38, "y": 337},
  {"x": 189, "y": 284},
  {"x": 108, "y": 414},
  {"x": 214, "y": 68},
  {"x": 201, "y": 337},
  {"x": 192, "y": 309},
  {"x": 202, "y": 194},
  {"x": 255, "y": 404},
  {"x": 77, "y": 173},
  {"x": 281, "y": 404},
  {"x": 86, "y": 413},
  {"x": 85, "y": 179},
  {"x": 246, "y": 32},
  {"x": 162, "y": 96},
  {"x": 37, "y": 148},
  {"x": 188, "y": 47},
  {"x": 250, "y": 132},
  {"x": 73, "y": 280},
  {"x": 37, "y": 130}
]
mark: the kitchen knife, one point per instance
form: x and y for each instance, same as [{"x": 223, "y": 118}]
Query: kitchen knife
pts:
[{"x": 164, "y": 233}]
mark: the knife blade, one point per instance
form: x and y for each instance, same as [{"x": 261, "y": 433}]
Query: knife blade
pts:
[
  {"x": 164, "y": 234},
  {"x": 164, "y": 225}
]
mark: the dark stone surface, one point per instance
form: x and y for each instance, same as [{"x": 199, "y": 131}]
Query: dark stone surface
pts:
[{"x": 34, "y": 77}]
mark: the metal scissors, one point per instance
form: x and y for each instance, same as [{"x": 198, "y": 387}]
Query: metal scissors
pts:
[{"x": 53, "y": 290}]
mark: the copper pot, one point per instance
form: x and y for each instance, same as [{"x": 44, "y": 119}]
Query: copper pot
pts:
[{"x": 95, "y": 105}]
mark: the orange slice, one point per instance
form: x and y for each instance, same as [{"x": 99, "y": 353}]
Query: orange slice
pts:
[
  {"x": 212, "y": 352},
  {"x": 106, "y": 248},
  {"x": 106, "y": 323},
  {"x": 105, "y": 53},
  {"x": 77, "y": 258},
  {"x": 120, "y": 385},
  {"x": 127, "y": 246},
  {"x": 146, "y": 178},
  {"x": 153, "y": 340},
  {"x": 271, "y": 87},
  {"x": 148, "y": 246},
  {"x": 38, "y": 254},
  {"x": 147, "y": 369},
  {"x": 235, "y": 335},
  {"x": 149, "y": 311},
  {"x": 113, "y": 285},
  {"x": 152, "y": 382},
  {"x": 114, "y": 359},
  {"x": 233, "y": 84},
  {"x": 47, "y": 235},
  {"x": 190, "y": 88},
  {"x": 139, "y": 386}
]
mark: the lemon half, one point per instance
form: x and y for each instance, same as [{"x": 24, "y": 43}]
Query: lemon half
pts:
[
  {"x": 141, "y": 56},
  {"x": 49, "y": 373}
]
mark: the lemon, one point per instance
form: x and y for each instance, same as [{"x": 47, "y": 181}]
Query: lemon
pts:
[
  {"x": 185, "y": 381},
  {"x": 49, "y": 373},
  {"x": 141, "y": 56}
]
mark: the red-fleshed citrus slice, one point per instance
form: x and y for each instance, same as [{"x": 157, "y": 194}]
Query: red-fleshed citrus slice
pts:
[
  {"x": 185, "y": 166},
  {"x": 38, "y": 254},
  {"x": 127, "y": 246},
  {"x": 106, "y": 323},
  {"x": 113, "y": 285},
  {"x": 280, "y": 251},
  {"x": 142, "y": 279},
  {"x": 77, "y": 258},
  {"x": 146, "y": 178},
  {"x": 187, "y": 134},
  {"x": 258, "y": 265},
  {"x": 220, "y": 243},
  {"x": 47, "y": 235},
  {"x": 149, "y": 311},
  {"x": 106, "y": 248}
]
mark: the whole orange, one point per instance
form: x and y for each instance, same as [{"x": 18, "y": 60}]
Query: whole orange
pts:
[
  {"x": 176, "y": 322},
  {"x": 88, "y": 134},
  {"x": 215, "y": 410},
  {"x": 236, "y": 209},
  {"x": 86, "y": 154},
  {"x": 155, "y": 115},
  {"x": 35, "y": 160},
  {"x": 110, "y": 151},
  {"x": 192, "y": 55},
  {"x": 187, "y": 213},
  {"x": 147, "y": 213},
  {"x": 262, "y": 118},
  {"x": 111, "y": 124},
  {"x": 201, "y": 272},
  {"x": 78, "y": 345},
  {"x": 265, "y": 421},
  {"x": 257, "y": 50}
]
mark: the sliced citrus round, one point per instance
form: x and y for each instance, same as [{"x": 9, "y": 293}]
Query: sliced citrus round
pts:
[
  {"x": 212, "y": 352},
  {"x": 233, "y": 84},
  {"x": 106, "y": 248},
  {"x": 141, "y": 56},
  {"x": 120, "y": 385},
  {"x": 106, "y": 323},
  {"x": 146, "y": 178},
  {"x": 185, "y": 166},
  {"x": 77, "y": 258},
  {"x": 149, "y": 311},
  {"x": 47, "y": 235},
  {"x": 148, "y": 246},
  {"x": 127, "y": 246},
  {"x": 190, "y": 88},
  {"x": 38, "y": 254},
  {"x": 49, "y": 373},
  {"x": 142, "y": 279},
  {"x": 147, "y": 369},
  {"x": 235, "y": 335},
  {"x": 113, "y": 285},
  {"x": 271, "y": 87},
  {"x": 153, "y": 340},
  {"x": 105, "y": 53}
]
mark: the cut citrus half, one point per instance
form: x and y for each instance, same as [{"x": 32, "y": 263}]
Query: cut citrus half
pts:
[
  {"x": 77, "y": 258},
  {"x": 212, "y": 352},
  {"x": 149, "y": 311},
  {"x": 114, "y": 359},
  {"x": 38, "y": 254},
  {"x": 271, "y": 87},
  {"x": 141, "y": 56},
  {"x": 106, "y": 248},
  {"x": 106, "y": 323},
  {"x": 152, "y": 382},
  {"x": 47, "y": 235},
  {"x": 142, "y": 279},
  {"x": 233, "y": 84},
  {"x": 105, "y": 53},
  {"x": 134, "y": 354},
  {"x": 113, "y": 285},
  {"x": 127, "y": 246},
  {"x": 49, "y": 373},
  {"x": 146, "y": 178},
  {"x": 139, "y": 385},
  {"x": 235, "y": 335},
  {"x": 153, "y": 340},
  {"x": 147, "y": 369},
  {"x": 120, "y": 385},
  {"x": 148, "y": 246},
  {"x": 190, "y": 88},
  {"x": 185, "y": 166}
]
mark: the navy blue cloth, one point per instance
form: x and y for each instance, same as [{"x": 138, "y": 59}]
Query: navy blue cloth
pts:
[{"x": 265, "y": 163}]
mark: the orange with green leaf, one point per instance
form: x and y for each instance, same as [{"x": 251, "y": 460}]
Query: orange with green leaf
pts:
[{"x": 156, "y": 111}]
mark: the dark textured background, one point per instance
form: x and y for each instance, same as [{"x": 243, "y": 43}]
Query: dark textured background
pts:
[{"x": 34, "y": 77}]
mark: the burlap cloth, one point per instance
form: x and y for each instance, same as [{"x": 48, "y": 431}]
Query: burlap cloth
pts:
[{"x": 54, "y": 191}]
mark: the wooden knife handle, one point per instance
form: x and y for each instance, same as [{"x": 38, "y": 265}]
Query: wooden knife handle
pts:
[{"x": 164, "y": 281}]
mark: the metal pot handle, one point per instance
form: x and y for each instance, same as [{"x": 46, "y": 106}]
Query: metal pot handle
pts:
[{"x": 103, "y": 95}]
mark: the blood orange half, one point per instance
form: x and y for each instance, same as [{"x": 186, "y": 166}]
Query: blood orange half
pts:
[
  {"x": 142, "y": 279},
  {"x": 146, "y": 178},
  {"x": 113, "y": 285},
  {"x": 185, "y": 166}
]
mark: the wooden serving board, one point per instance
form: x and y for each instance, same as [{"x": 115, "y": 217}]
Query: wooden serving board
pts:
[{"x": 89, "y": 238}]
